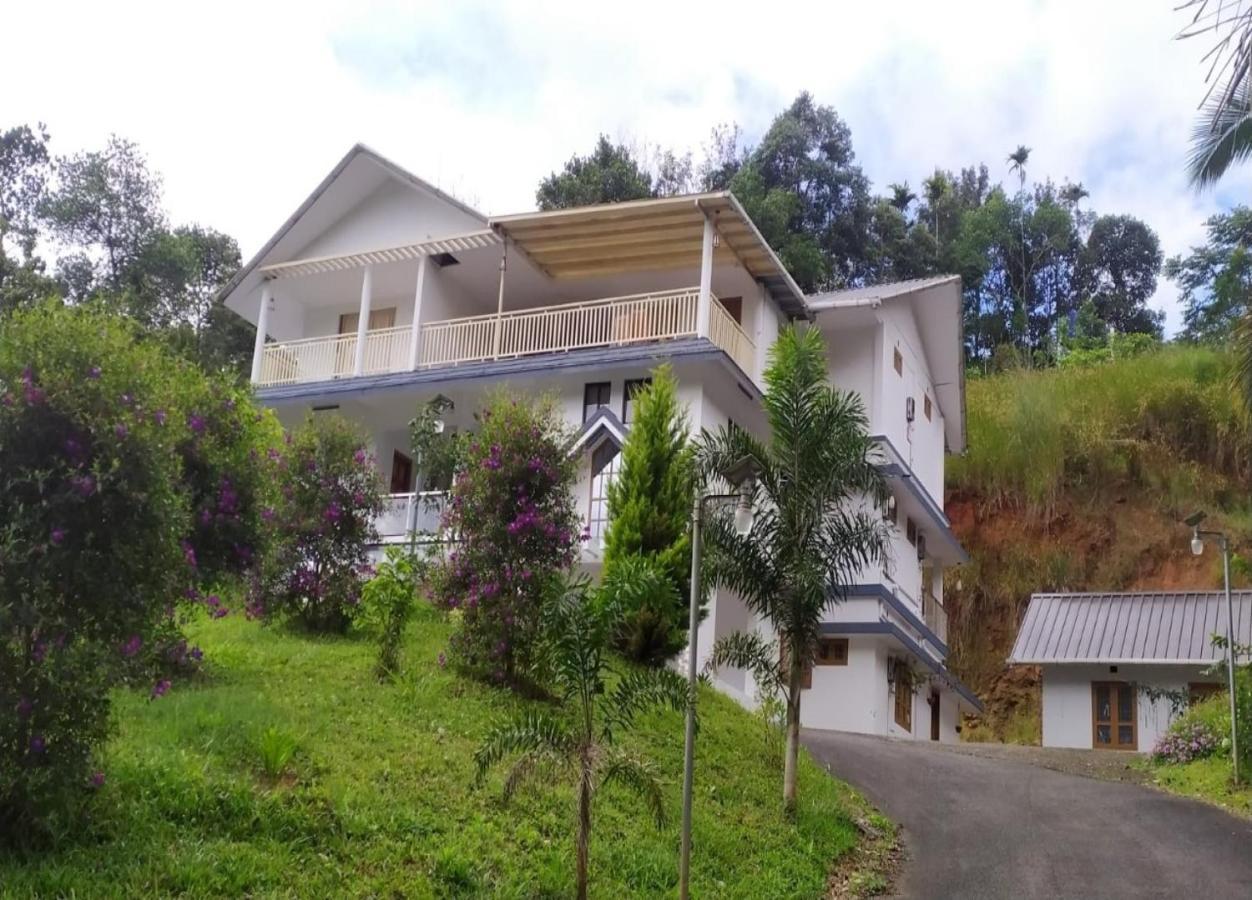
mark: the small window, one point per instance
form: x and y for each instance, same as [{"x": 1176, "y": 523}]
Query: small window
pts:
[
  {"x": 910, "y": 531},
  {"x": 595, "y": 396},
  {"x": 926, "y": 406},
  {"x": 899, "y": 362},
  {"x": 632, "y": 387},
  {"x": 904, "y": 705},
  {"x": 832, "y": 652},
  {"x": 604, "y": 465}
]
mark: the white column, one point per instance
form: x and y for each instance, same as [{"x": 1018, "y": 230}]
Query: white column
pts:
[
  {"x": 262, "y": 326},
  {"x": 763, "y": 309},
  {"x": 415, "y": 340},
  {"x": 706, "y": 280},
  {"x": 363, "y": 322}
]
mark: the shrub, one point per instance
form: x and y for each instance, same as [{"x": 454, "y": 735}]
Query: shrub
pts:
[
  {"x": 513, "y": 507},
  {"x": 1186, "y": 741},
  {"x": 94, "y": 524},
  {"x": 331, "y": 494},
  {"x": 649, "y": 507},
  {"x": 389, "y": 602}
]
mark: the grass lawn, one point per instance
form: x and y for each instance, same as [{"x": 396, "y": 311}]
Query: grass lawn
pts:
[
  {"x": 1206, "y": 779},
  {"x": 379, "y": 799}
]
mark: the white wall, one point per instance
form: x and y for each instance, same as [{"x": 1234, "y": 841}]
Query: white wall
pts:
[
  {"x": 921, "y": 441},
  {"x": 1067, "y": 703},
  {"x": 851, "y": 697}
]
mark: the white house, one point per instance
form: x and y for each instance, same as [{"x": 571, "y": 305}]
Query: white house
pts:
[
  {"x": 381, "y": 292},
  {"x": 1117, "y": 668}
]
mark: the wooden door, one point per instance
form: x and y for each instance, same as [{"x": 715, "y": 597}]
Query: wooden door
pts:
[
  {"x": 401, "y": 473},
  {"x": 345, "y": 354},
  {"x": 1113, "y": 715},
  {"x": 934, "y": 715}
]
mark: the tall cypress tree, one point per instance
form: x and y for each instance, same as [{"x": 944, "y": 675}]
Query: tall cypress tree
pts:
[{"x": 649, "y": 507}]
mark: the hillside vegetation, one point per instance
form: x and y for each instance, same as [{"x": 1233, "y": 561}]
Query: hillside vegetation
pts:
[
  {"x": 288, "y": 770},
  {"x": 1077, "y": 479}
]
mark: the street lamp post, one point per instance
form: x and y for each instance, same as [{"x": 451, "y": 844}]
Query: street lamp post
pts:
[
  {"x": 741, "y": 477},
  {"x": 1197, "y": 547}
]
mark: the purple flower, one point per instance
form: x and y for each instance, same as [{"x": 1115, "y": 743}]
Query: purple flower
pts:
[
  {"x": 121, "y": 431},
  {"x": 218, "y": 612},
  {"x": 360, "y": 456},
  {"x": 273, "y": 455},
  {"x": 132, "y": 646},
  {"x": 37, "y": 744},
  {"x": 40, "y": 651},
  {"x": 56, "y": 536},
  {"x": 159, "y": 417},
  {"x": 196, "y": 423},
  {"x": 34, "y": 395},
  {"x": 94, "y": 373},
  {"x": 160, "y": 689},
  {"x": 189, "y": 553},
  {"x": 6, "y": 399},
  {"x": 96, "y": 780},
  {"x": 128, "y": 399},
  {"x": 334, "y": 511},
  {"x": 83, "y": 485},
  {"x": 25, "y": 707},
  {"x": 358, "y": 499}
]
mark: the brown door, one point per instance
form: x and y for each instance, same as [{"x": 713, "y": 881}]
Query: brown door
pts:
[
  {"x": 401, "y": 473},
  {"x": 345, "y": 353},
  {"x": 934, "y": 715},
  {"x": 1113, "y": 716},
  {"x": 734, "y": 306}
]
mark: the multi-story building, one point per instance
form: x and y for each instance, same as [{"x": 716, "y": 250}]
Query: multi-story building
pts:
[{"x": 382, "y": 292}]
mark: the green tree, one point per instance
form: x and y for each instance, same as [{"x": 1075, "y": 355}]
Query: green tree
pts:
[
  {"x": 25, "y": 167},
  {"x": 802, "y": 187},
  {"x": 649, "y": 507},
  {"x": 580, "y": 740},
  {"x": 1215, "y": 279},
  {"x": 1117, "y": 269},
  {"x": 107, "y": 202},
  {"x": 609, "y": 174},
  {"x": 818, "y": 523}
]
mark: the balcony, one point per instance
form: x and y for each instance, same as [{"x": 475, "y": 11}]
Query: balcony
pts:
[
  {"x": 612, "y": 322},
  {"x": 403, "y": 515},
  {"x": 935, "y": 616}
]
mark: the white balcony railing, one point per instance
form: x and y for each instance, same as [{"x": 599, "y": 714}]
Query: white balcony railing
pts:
[
  {"x": 419, "y": 513},
  {"x": 610, "y": 322},
  {"x": 935, "y": 616}
]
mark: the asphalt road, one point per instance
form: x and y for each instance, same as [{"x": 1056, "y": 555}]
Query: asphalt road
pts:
[{"x": 976, "y": 827}]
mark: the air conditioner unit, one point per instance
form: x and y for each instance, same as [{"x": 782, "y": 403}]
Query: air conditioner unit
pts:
[{"x": 910, "y": 408}]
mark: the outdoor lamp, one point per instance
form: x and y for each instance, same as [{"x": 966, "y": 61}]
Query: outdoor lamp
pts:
[
  {"x": 1197, "y": 543},
  {"x": 744, "y": 515}
]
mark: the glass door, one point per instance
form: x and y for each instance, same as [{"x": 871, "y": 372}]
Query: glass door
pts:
[{"x": 1113, "y": 716}]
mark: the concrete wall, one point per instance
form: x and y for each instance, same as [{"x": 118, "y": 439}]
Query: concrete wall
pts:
[{"x": 1067, "y": 703}]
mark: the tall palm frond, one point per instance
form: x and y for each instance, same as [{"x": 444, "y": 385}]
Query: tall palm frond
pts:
[
  {"x": 533, "y": 732},
  {"x": 636, "y": 774},
  {"x": 1241, "y": 347},
  {"x": 1221, "y": 137}
]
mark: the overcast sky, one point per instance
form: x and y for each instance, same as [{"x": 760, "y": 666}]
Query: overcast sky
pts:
[{"x": 244, "y": 107}]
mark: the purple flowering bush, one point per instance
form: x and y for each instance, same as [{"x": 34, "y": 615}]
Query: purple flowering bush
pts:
[
  {"x": 92, "y": 512},
  {"x": 1186, "y": 741},
  {"x": 513, "y": 508},
  {"x": 330, "y": 495}
]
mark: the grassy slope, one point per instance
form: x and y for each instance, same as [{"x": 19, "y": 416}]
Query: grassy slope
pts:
[
  {"x": 381, "y": 801},
  {"x": 1076, "y": 480}
]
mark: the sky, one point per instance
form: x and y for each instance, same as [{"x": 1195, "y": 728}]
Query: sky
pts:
[{"x": 245, "y": 106}]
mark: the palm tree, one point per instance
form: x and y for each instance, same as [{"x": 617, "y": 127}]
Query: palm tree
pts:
[
  {"x": 1073, "y": 193},
  {"x": 935, "y": 188},
  {"x": 1017, "y": 163},
  {"x": 902, "y": 196},
  {"x": 577, "y": 632},
  {"x": 817, "y": 525},
  {"x": 1223, "y": 131}
]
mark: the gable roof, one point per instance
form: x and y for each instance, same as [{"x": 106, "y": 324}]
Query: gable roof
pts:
[
  {"x": 833, "y": 299},
  {"x": 603, "y": 422},
  {"x": 1128, "y": 627},
  {"x": 358, "y": 152}
]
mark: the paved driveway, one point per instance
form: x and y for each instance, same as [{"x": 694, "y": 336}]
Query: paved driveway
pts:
[{"x": 976, "y": 827}]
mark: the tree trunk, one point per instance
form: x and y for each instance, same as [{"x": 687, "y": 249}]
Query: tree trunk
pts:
[
  {"x": 792, "y": 756},
  {"x": 584, "y": 825}
]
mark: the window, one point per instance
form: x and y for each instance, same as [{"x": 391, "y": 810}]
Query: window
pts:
[
  {"x": 904, "y": 703},
  {"x": 899, "y": 361},
  {"x": 1202, "y": 690},
  {"x": 595, "y": 395},
  {"x": 926, "y": 406},
  {"x": 632, "y": 387},
  {"x": 1113, "y": 716},
  {"x": 832, "y": 652},
  {"x": 401, "y": 473},
  {"x": 734, "y": 306},
  {"x": 604, "y": 463},
  {"x": 910, "y": 531}
]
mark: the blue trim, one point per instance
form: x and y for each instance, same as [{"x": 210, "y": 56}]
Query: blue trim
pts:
[
  {"x": 892, "y": 630},
  {"x": 695, "y": 349},
  {"x": 880, "y": 591},
  {"x": 900, "y": 469}
]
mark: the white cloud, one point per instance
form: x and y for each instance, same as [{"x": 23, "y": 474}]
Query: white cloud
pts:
[{"x": 245, "y": 106}]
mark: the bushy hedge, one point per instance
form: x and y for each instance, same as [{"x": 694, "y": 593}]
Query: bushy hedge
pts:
[
  {"x": 108, "y": 449},
  {"x": 513, "y": 510},
  {"x": 331, "y": 494}
]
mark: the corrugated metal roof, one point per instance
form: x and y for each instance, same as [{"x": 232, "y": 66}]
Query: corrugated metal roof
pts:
[
  {"x": 1129, "y": 627},
  {"x": 817, "y": 302}
]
